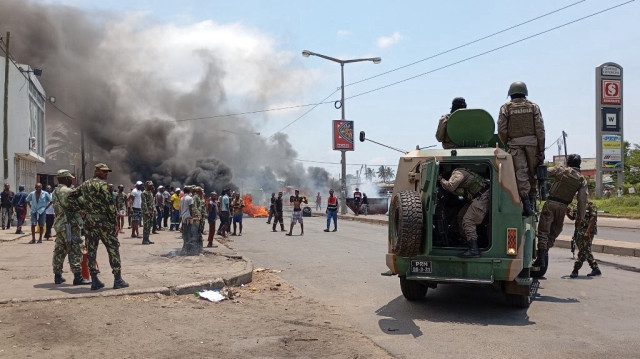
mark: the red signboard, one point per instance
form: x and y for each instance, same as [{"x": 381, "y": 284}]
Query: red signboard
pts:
[
  {"x": 611, "y": 93},
  {"x": 343, "y": 135}
]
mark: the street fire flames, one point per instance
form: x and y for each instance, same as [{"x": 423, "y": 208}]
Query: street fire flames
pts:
[{"x": 253, "y": 210}]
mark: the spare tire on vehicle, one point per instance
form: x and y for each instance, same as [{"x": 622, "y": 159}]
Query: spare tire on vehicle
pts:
[{"x": 406, "y": 223}]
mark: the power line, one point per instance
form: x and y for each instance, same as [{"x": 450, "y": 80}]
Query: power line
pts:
[
  {"x": 348, "y": 164},
  {"x": 304, "y": 114},
  {"x": 490, "y": 51}
]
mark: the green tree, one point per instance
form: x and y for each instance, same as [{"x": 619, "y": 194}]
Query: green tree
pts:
[
  {"x": 385, "y": 173},
  {"x": 369, "y": 173}
]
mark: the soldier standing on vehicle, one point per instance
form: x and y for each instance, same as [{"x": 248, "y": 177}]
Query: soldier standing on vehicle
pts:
[
  {"x": 148, "y": 211},
  {"x": 568, "y": 182},
  {"x": 584, "y": 238},
  {"x": 93, "y": 198},
  {"x": 521, "y": 128},
  {"x": 441, "y": 132},
  {"x": 64, "y": 245},
  {"x": 473, "y": 188}
]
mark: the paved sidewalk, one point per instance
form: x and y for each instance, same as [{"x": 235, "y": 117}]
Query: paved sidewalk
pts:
[
  {"x": 563, "y": 241},
  {"x": 26, "y": 272}
]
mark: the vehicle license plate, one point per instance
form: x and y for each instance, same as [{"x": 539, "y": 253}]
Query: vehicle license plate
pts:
[{"x": 420, "y": 266}]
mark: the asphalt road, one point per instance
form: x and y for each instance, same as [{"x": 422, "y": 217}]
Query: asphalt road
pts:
[
  {"x": 581, "y": 318},
  {"x": 618, "y": 234}
]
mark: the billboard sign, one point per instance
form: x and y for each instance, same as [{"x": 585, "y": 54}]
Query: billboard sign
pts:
[
  {"x": 612, "y": 151},
  {"x": 610, "y": 119},
  {"x": 611, "y": 94},
  {"x": 343, "y": 135}
]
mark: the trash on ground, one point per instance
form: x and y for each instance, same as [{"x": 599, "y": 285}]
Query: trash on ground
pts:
[{"x": 211, "y": 295}]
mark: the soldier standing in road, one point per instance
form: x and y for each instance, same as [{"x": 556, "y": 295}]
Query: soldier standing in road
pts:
[
  {"x": 7, "y": 208},
  {"x": 521, "y": 128},
  {"x": 584, "y": 238},
  {"x": 64, "y": 245},
  {"x": 568, "y": 182},
  {"x": 93, "y": 198},
  {"x": 202, "y": 203},
  {"x": 473, "y": 188},
  {"x": 148, "y": 211},
  {"x": 441, "y": 132},
  {"x": 277, "y": 213},
  {"x": 296, "y": 216},
  {"x": 273, "y": 201}
]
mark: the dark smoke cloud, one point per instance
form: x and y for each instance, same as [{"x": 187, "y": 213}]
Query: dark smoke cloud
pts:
[{"x": 97, "y": 66}]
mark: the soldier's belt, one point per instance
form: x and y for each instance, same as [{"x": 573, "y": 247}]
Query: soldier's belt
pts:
[{"x": 556, "y": 199}]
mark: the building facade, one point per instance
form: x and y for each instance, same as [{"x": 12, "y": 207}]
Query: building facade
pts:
[{"x": 26, "y": 126}]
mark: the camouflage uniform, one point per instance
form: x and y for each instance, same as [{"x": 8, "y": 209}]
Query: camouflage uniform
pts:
[
  {"x": 203, "y": 210},
  {"x": 148, "y": 208},
  {"x": 441, "y": 133},
  {"x": 61, "y": 207},
  {"x": 93, "y": 198},
  {"x": 121, "y": 203},
  {"x": 584, "y": 240},
  {"x": 521, "y": 128},
  {"x": 474, "y": 188},
  {"x": 568, "y": 182}
]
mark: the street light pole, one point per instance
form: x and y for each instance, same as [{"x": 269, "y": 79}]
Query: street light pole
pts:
[{"x": 343, "y": 156}]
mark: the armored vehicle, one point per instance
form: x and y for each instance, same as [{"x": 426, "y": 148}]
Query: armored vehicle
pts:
[{"x": 425, "y": 235}]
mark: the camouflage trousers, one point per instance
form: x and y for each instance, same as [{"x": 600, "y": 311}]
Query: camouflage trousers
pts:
[
  {"x": 147, "y": 223},
  {"x": 474, "y": 215},
  {"x": 551, "y": 222},
  {"x": 525, "y": 163},
  {"x": 102, "y": 232},
  {"x": 61, "y": 249},
  {"x": 203, "y": 220},
  {"x": 584, "y": 253}
]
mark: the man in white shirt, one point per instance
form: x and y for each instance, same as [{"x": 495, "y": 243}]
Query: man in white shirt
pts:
[
  {"x": 136, "y": 206},
  {"x": 186, "y": 205}
]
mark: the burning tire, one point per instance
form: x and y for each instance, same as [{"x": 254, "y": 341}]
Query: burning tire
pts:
[{"x": 405, "y": 231}]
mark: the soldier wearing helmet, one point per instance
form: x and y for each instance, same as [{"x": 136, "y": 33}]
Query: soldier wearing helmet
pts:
[
  {"x": 521, "y": 128},
  {"x": 568, "y": 184},
  {"x": 441, "y": 132}
]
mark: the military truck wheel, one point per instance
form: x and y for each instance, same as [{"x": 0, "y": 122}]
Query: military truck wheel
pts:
[
  {"x": 405, "y": 230},
  {"x": 412, "y": 289},
  {"x": 540, "y": 272},
  {"x": 519, "y": 300}
]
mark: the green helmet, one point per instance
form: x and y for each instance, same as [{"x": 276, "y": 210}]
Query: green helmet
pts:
[{"x": 518, "y": 87}]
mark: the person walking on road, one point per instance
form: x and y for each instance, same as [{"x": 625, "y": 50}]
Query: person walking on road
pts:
[
  {"x": 147, "y": 207},
  {"x": 7, "y": 208},
  {"x": 93, "y": 198},
  {"x": 568, "y": 183},
  {"x": 365, "y": 204},
  {"x": 159, "y": 208},
  {"x": 521, "y": 128},
  {"x": 318, "y": 202},
  {"x": 50, "y": 214},
  {"x": 332, "y": 211},
  {"x": 212, "y": 210},
  {"x": 63, "y": 245},
  {"x": 584, "y": 233},
  {"x": 237, "y": 204},
  {"x": 277, "y": 213},
  {"x": 296, "y": 216},
  {"x": 136, "y": 206},
  {"x": 38, "y": 200},
  {"x": 121, "y": 207},
  {"x": 175, "y": 207},
  {"x": 272, "y": 203},
  {"x": 357, "y": 201},
  {"x": 19, "y": 202}
]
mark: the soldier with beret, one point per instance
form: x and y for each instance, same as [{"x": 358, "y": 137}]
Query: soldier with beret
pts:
[
  {"x": 63, "y": 245},
  {"x": 148, "y": 211}
]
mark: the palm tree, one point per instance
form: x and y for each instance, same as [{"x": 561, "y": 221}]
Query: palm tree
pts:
[
  {"x": 385, "y": 173},
  {"x": 369, "y": 173},
  {"x": 390, "y": 174}
]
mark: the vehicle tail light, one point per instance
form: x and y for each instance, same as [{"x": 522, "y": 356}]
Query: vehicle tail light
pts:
[{"x": 512, "y": 241}]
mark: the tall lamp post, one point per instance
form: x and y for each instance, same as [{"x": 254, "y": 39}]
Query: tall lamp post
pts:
[{"x": 343, "y": 181}]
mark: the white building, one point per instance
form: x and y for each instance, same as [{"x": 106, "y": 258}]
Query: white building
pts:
[{"x": 25, "y": 123}]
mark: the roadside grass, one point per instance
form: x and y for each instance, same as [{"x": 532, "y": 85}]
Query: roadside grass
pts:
[{"x": 625, "y": 206}]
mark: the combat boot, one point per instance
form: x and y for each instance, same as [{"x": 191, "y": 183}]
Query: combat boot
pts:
[
  {"x": 58, "y": 278},
  {"x": 146, "y": 241},
  {"x": 79, "y": 280},
  {"x": 527, "y": 210},
  {"x": 594, "y": 272},
  {"x": 540, "y": 261},
  {"x": 574, "y": 274},
  {"x": 472, "y": 252},
  {"x": 95, "y": 282},
  {"x": 118, "y": 282}
]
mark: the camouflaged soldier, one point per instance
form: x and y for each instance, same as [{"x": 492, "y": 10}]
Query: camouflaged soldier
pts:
[
  {"x": 64, "y": 245},
  {"x": 521, "y": 128},
  {"x": 93, "y": 198},
  {"x": 475, "y": 189},
  {"x": 568, "y": 183},
  {"x": 441, "y": 132},
  {"x": 584, "y": 233},
  {"x": 148, "y": 211},
  {"x": 202, "y": 205}
]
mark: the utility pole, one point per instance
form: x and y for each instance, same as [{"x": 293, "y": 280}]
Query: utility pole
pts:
[
  {"x": 564, "y": 142},
  {"x": 5, "y": 137}
]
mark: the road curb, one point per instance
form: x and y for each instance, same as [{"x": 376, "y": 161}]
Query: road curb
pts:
[
  {"x": 560, "y": 242},
  {"x": 235, "y": 279}
]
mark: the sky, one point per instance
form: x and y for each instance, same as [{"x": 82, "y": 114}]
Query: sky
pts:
[{"x": 402, "y": 98}]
